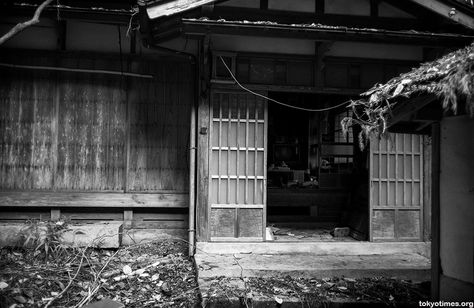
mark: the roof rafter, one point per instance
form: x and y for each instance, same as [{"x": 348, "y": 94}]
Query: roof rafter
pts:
[
  {"x": 168, "y": 8},
  {"x": 445, "y": 10}
]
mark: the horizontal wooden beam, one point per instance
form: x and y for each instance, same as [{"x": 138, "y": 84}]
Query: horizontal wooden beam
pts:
[
  {"x": 193, "y": 26},
  {"x": 92, "y": 200},
  {"x": 288, "y": 17},
  {"x": 168, "y": 8}
]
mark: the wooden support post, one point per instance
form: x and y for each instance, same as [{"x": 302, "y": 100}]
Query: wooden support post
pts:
[
  {"x": 319, "y": 7},
  {"x": 374, "y": 8},
  {"x": 62, "y": 32},
  {"x": 320, "y": 49},
  {"x": 55, "y": 214},
  {"x": 127, "y": 218},
  {"x": 427, "y": 188},
  {"x": 203, "y": 121},
  {"x": 435, "y": 211}
]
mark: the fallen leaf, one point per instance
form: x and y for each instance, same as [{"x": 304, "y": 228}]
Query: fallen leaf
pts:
[
  {"x": 391, "y": 298},
  {"x": 127, "y": 270},
  {"x": 140, "y": 271},
  {"x": 342, "y": 288},
  {"x": 20, "y": 299},
  {"x": 165, "y": 288},
  {"x": 278, "y": 300},
  {"x": 3, "y": 285},
  {"x": 54, "y": 293},
  {"x": 350, "y": 279},
  {"x": 155, "y": 277}
]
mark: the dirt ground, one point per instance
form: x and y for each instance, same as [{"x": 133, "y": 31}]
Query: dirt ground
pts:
[
  {"x": 150, "y": 275},
  {"x": 162, "y": 275},
  {"x": 313, "y": 292}
]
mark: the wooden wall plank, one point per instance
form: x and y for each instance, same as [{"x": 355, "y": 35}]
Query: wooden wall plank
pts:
[
  {"x": 67, "y": 130},
  {"x": 91, "y": 200},
  {"x": 25, "y": 129},
  {"x": 159, "y": 131}
]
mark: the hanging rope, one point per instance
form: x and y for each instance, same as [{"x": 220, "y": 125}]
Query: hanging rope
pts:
[{"x": 277, "y": 102}]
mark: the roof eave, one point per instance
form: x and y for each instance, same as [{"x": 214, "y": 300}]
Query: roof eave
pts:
[{"x": 194, "y": 26}]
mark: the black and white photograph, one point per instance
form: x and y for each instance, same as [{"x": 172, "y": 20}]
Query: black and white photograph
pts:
[{"x": 236, "y": 153}]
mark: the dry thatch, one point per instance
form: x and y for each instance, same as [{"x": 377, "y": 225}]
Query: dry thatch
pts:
[{"x": 451, "y": 78}]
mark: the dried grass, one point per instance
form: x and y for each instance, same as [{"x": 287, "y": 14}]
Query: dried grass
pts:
[{"x": 450, "y": 78}]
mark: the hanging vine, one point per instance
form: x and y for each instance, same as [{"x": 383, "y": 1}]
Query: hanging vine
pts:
[{"x": 450, "y": 78}]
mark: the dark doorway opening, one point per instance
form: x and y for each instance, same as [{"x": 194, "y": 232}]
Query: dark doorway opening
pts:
[{"x": 317, "y": 176}]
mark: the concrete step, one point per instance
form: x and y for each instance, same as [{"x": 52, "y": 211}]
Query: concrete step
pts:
[
  {"x": 401, "y": 265},
  {"x": 316, "y": 248}
]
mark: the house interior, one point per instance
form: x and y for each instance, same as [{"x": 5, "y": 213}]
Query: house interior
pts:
[{"x": 310, "y": 165}]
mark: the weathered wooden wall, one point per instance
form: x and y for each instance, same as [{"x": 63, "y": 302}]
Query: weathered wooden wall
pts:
[
  {"x": 80, "y": 131},
  {"x": 159, "y": 132}
]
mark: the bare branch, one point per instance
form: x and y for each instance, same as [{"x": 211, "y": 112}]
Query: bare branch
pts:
[{"x": 22, "y": 25}]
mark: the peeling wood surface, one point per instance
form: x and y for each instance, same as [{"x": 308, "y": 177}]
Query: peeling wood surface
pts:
[
  {"x": 83, "y": 199},
  {"x": 67, "y": 130}
]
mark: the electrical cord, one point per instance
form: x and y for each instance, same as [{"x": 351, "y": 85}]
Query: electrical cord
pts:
[{"x": 277, "y": 102}]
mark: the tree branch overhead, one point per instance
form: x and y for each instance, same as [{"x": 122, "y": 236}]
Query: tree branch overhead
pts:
[{"x": 23, "y": 25}]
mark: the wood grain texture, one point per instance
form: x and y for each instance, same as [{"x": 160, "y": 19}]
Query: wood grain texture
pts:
[
  {"x": 92, "y": 200},
  {"x": 91, "y": 133},
  {"x": 67, "y": 130},
  {"x": 25, "y": 129},
  {"x": 202, "y": 155},
  {"x": 159, "y": 121}
]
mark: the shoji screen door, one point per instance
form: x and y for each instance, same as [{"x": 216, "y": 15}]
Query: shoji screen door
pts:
[
  {"x": 396, "y": 188},
  {"x": 237, "y": 188}
]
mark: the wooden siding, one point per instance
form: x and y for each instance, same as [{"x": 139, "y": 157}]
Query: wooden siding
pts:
[
  {"x": 79, "y": 131},
  {"x": 91, "y": 130},
  {"x": 159, "y": 133}
]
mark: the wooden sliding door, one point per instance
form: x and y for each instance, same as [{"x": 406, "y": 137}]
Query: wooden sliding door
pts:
[
  {"x": 237, "y": 163},
  {"x": 396, "y": 188}
]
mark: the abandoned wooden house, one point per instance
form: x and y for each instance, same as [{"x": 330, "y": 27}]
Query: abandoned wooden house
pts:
[{"x": 217, "y": 118}]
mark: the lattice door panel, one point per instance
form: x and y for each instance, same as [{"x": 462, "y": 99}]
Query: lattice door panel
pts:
[
  {"x": 396, "y": 188},
  {"x": 237, "y": 188}
]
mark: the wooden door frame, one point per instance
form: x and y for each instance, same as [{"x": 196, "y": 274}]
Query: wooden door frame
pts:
[
  {"x": 396, "y": 210},
  {"x": 232, "y": 89}
]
